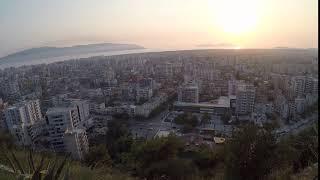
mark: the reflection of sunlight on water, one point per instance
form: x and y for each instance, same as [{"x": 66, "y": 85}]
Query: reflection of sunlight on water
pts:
[{"x": 87, "y": 55}]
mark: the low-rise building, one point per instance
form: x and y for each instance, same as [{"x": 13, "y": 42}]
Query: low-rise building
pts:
[
  {"x": 145, "y": 109},
  {"x": 188, "y": 93},
  {"x": 219, "y": 107}
]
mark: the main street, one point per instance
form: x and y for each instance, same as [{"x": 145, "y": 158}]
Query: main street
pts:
[
  {"x": 298, "y": 126},
  {"x": 148, "y": 128}
]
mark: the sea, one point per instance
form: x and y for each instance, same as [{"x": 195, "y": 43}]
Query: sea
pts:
[{"x": 76, "y": 56}]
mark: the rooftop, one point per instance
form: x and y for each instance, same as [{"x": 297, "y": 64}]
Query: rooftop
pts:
[
  {"x": 71, "y": 131},
  {"x": 58, "y": 110},
  {"x": 202, "y": 105},
  {"x": 162, "y": 133},
  {"x": 222, "y": 101},
  {"x": 219, "y": 140}
]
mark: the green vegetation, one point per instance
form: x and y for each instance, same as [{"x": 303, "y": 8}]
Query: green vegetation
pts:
[
  {"x": 118, "y": 139},
  {"x": 188, "y": 121},
  {"x": 18, "y": 163},
  {"x": 98, "y": 157},
  {"x": 250, "y": 154},
  {"x": 253, "y": 153},
  {"x": 226, "y": 117},
  {"x": 163, "y": 106},
  {"x": 312, "y": 109},
  {"x": 35, "y": 171},
  {"x": 158, "y": 109},
  {"x": 122, "y": 116},
  {"x": 205, "y": 119}
]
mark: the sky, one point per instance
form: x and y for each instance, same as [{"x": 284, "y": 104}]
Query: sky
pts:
[{"x": 159, "y": 24}]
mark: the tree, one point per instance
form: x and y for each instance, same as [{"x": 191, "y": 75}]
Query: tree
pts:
[
  {"x": 226, "y": 117},
  {"x": 205, "y": 119},
  {"x": 172, "y": 169},
  {"x": 270, "y": 98},
  {"x": 122, "y": 116},
  {"x": 206, "y": 159},
  {"x": 297, "y": 151},
  {"x": 250, "y": 153},
  {"x": 155, "y": 151},
  {"x": 98, "y": 157},
  {"x": 6, "y": 139},
  {"x": 306, "y": 143},
  {"x": 180, "y": 118},
  {"x": 193, "y": 121},
  {"x": 187, "y": 128},
  {"x": 186, "y": 119},
  {"x": 118, "y": 139}
]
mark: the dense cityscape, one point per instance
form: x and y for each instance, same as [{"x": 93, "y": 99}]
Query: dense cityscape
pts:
[{"x": 201, "y": 97}]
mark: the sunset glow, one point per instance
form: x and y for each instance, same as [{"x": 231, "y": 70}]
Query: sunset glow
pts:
[
  {"x": 235, "y": 16},
  {"x": 165, "y": 24}
]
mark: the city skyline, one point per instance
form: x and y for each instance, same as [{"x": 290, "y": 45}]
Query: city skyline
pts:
[{"x": 159, "y": 24}]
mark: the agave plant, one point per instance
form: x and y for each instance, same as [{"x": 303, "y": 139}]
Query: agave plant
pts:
[{"x": 33, "y": 170}]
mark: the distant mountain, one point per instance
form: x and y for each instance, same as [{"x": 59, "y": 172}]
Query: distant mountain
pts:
[
  {"x": 290, "y": 48},
  {"x": 50, "y": 52},
  {"x": 217, "y": 45}
]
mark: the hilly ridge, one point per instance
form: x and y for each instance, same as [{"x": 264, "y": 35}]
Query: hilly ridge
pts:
[{"x": 50, "y": 52}]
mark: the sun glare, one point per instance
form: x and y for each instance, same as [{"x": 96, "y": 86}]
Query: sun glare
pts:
[{"x": 234, "y": 16}]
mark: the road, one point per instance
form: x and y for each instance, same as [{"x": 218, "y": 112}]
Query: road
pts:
[
  {"x": 149, "y": 128},
  {"x": 297, "y": 127}
]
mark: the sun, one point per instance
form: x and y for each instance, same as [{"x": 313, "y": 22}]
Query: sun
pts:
[{"x": 236, "y": 16}]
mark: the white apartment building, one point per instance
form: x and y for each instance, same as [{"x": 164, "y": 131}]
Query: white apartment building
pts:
[
  {"x": 300, "y": 104},
  {"x": 165, "y": 69},
  {"x": 232, "y": 86},
  {"x": 144, "y": 93},
  {"x": 16, "y": 121},
  {"x": 269, "y": 108},
  {"x": 315, "y": 89},
  {"x": 308, "y": 85},
  {"x": 59, "y": 120},
  {"x": 292, "y": 109},
  {"x": 20, "y": 117},
  {"x": 129, "y": 109},
  {"x": 146, "y": 108},
  {"x": 245, "y": 98},
  {"x": 284, "y": 110},
  {"x": 298, "y": 85},
  {"x": 33, "y": 111},
  {"x": 188, "y": 93},
  {"x": 81, "y": 106},
  {"x": 76, "y": 143},
  {"x": 279, "y": 100}
]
